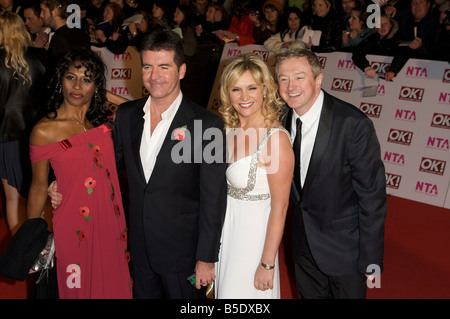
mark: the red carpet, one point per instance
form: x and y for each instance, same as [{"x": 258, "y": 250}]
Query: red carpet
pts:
[{"x": 417, "y": 259}]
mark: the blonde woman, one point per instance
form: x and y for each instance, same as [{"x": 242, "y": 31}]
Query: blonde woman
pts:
[
  {"x": 22, "y": 73},
  {"x": 259, "y": 179}
]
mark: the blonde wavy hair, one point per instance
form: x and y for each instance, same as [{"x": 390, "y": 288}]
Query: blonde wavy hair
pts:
[
  {"x": 15, "y": 40},
  {"x": 272, "y": 103}
]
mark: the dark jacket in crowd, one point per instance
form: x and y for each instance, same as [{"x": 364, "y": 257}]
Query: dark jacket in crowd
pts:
[
  {"x": 387, "y": 46},
  {"x": 425, "y": 29},
  {"x": 20, "y": 103},
  {"x": 65, "y": 40},
  {"x": 331, "y": 27}
]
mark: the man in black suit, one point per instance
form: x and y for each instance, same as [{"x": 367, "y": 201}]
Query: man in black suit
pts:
[
  {"x": 338, "y": 191},
  {"x": 65, "y": 38},
  {"x": 176, "y": 209}
]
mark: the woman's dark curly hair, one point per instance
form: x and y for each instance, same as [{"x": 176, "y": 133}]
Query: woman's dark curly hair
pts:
[{"x": 98, "y": 111}]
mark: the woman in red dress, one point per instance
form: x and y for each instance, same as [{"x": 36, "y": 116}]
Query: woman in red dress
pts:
[{"x": 74, "y": 138}]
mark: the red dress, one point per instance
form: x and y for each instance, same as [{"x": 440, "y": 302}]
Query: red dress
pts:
[{"x": 89, "y": 226}]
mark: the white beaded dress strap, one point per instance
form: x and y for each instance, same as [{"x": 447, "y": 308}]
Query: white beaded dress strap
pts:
[{"x": 242, "y": 193}]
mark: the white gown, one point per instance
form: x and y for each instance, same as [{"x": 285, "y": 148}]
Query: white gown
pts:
[{"x": 244, "y": 230}]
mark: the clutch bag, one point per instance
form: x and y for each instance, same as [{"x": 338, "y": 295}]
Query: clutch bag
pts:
[{"x": 46, "y": 259}]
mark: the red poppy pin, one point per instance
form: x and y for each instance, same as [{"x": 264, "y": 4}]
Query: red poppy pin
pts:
[
  {"x": 95, "y": 149},
  {"x": 81, "y": 237},
  {"x": 123, "y": 235},
  {"x": 89, "y": 183},
  {"x": 84, "y": 211},
  {"x": 179, "y": 134}
]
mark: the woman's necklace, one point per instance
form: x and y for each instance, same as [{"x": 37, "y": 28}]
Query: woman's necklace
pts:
[{"x": 82, "y": 125}]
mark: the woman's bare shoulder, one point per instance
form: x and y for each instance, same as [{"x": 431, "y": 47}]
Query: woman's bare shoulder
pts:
[{"x": 44, "y": 132}]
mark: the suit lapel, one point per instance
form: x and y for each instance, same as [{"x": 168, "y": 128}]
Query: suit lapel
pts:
[
  {"x": 321, "y": 142},
  {"x": 137, "y": 127},
  {"x": 287, "y": 118},
  {"x": 182, "y": 118},
  {"x": 287, "y": 123}
]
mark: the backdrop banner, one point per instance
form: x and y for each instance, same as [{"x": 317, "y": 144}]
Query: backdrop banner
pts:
[
  {"x": 123, "y": 72},
  {"x": 411, "y": 115}
]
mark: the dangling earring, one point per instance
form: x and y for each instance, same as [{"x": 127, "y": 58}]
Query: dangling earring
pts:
[
  {"x": 95, "y": 97},
  {"x": 59, "y": 88}
]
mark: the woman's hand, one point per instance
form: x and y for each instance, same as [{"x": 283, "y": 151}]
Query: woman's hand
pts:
[
  {"x": 100, "y": 35},
  {"x": 345, "y": 37},
  {"x": 132, "y": 27},
  {"x": 263, "y": 278}
]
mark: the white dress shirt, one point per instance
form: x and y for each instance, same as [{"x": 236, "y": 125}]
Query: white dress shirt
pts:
[
  {"x": 151, "y": 142},
  {"x": 310, "y": 124}
]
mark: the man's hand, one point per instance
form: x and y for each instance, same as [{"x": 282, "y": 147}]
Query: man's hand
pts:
[
  {"x": 204, "y": 274},
  {"x": 55, "y": 197},
  {"x": 389, "y": 76},
  {"x": 416, "y": 43},
  {"x": 370, "y": 72},
  {"x": 41, "y": 40}
]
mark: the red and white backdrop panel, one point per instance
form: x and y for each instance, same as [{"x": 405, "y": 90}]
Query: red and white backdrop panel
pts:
[
  {"x": 411, "y": 116},
  {"x": 123, "y": 72}
]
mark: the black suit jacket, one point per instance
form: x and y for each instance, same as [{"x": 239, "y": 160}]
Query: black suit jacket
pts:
[
  {"x": 176, "y": 218},
  {"x": 342, "y": 206}
]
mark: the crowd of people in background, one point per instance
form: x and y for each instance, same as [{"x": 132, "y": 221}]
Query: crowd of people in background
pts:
[{"x": 420, "y": 28}]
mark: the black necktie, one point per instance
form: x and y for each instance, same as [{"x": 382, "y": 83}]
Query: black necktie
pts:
[{"x": 297, "y": 147}]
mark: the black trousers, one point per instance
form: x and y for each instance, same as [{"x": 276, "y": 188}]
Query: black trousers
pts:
[
  {"x": 147, "y": 284},
  {"x": 314, "y": 284}
]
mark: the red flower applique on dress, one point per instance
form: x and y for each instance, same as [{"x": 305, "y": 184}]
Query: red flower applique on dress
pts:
[
  {"x": 81, "y": 237},
  {"x": 117, "y": 210},
  {"x": 89, "y": 183},
  {"x": 97, "y": 152},
  {"x": 127, "y": 255},
  {"x": 123, "y": 235},
  {"x": 84, "y": 211}
]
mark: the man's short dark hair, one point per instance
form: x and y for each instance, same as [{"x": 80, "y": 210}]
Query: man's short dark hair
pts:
[
  {"x": 61, "y": 5},
  {"x": 164, "y": 40},
  {"x": 34, "y": 6}
]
